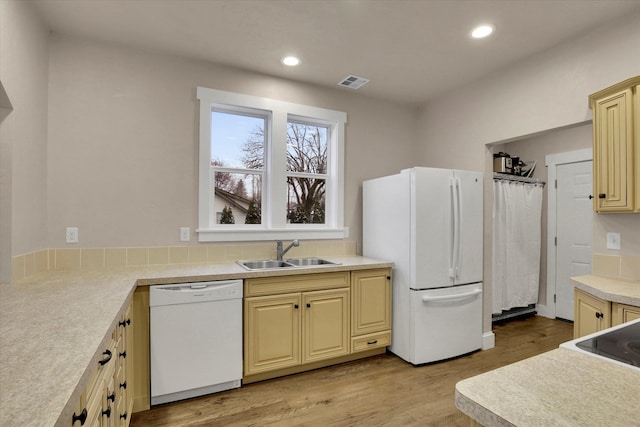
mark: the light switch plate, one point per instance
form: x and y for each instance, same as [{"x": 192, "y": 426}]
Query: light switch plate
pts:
[{"x": 613, "y": 241}]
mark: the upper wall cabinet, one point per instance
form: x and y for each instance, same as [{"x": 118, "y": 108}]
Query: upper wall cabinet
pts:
[{"x": 616, "y": 147}]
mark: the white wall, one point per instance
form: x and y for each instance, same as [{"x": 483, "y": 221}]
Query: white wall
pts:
[
  {"x": 123, "y": 147},
  {"x": 23, "y": 131},
  {"x": 546, "y": 91}
]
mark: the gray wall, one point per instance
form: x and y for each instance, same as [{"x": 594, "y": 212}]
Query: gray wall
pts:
[{"x": 24, "y": 63}]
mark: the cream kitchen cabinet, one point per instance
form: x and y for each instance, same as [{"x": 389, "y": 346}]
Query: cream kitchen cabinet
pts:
[
  {"x": 307, "y": 321},
  {"x": 104, "y": 401},
  {"x": 288, "y": 329},
  {"x": 616, "y": 147},
  {"x": 621, "y": 313},
  {"x": 370, "y": 309},
  {"x": 591, "y": 314}
]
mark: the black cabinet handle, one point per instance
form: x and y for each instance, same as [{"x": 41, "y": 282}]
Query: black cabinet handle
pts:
[
  {"x": 124, "y": 354},
  {"x": 308, "y": 305},
  {"x": 590, "y": 197},
  {"x": 388, "y": 277},
  {"x": 124, "y": 323},
  {"x": 106, "y": 359},
  {"x": 295, "y": 306},
  {"x": 107, "y": 412},
  {"x": 602, "y": 196},
  {"x": 372, "y": 342},
  {"x": 123, "y": 416},
  {"x": 112, "y": 397},
  {"x": 82, "y": 417},
  {"x": 123, "y": 385},
  {"x": 599, "y": 315}
]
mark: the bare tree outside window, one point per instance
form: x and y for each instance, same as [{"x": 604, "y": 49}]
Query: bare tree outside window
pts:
[
  {"x": 239, "y": 143},
  {"x": 306, "y": 169}
]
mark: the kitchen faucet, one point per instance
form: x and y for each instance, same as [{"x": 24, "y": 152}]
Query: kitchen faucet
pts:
[{"x": 280, "y": 252}]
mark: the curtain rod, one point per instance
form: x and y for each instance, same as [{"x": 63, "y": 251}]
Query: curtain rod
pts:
[{"x": 524, "y": 179}]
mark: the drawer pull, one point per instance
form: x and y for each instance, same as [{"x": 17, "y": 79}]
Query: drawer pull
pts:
[
  {"x": 372, "y": 342},
  {"x": 295, "y": 305},
  {"x": 308, "y": 305},
  {"x": 123, "y": 385},
  {"x": 106, "y": 359},
  {"x": 107, "y": 412},
  {"x": 123, "y": 416},
  {"x": 124, "y": 354},
  {"x": 124, "y": 323},
  {"x": 112, "y": 397},
  {"x": 82, "y": 417},
  {"x": 602, "y": 196}
]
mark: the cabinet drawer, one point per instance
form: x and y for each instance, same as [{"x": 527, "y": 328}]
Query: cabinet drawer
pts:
[
  {"x": 297, "y": 283},
  {"x": 370, "y": 341}
]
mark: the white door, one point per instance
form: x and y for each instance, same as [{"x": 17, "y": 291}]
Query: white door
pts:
[{"x": 573, "y": 230}]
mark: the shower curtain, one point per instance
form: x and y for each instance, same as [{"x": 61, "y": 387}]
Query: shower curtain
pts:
[{"x": 517, "y": 210}]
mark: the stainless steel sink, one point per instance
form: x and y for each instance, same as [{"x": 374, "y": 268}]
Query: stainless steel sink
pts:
[
  {"x": 264, "y": 264},
  {"x": 307, "y": 262},
  {"x": 272, "y": 264}
]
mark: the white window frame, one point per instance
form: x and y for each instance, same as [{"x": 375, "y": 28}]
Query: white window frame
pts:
[{"x": 274, "y": 203}]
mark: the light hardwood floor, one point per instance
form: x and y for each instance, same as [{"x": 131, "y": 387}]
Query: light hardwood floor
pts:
[{"x": 378, "y": 391}]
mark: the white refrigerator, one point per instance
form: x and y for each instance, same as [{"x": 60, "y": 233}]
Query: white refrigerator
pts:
[{"x": 428, "y": 221}]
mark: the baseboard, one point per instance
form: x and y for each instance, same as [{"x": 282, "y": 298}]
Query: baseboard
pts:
[
  {"x": 546, "y": 311},
  {"x": 488, "y": 340}
]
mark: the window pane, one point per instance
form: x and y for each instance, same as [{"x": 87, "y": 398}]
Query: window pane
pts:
[
  {"x": 305, "y": 200},
  {"x": 237, "y": 141},
  {"x": 306, "y": 148},
  {"x": 238, "y": 198}
]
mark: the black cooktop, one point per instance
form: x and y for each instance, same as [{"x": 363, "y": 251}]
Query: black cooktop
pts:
[{"x": 622, "y": 344}]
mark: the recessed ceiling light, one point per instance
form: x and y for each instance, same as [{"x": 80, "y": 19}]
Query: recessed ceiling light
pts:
[
  {"x": 482, "y": 31},
  {"x": 291, "y": 61}
]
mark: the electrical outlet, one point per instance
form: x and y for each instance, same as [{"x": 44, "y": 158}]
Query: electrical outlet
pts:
[
  {"x": 185, "y": 234},
  {"x": 72, "y": 234},
  {"x": 613, "y": 241}
]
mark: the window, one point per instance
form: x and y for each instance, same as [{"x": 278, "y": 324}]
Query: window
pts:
[{"x": 269, "y": 169}]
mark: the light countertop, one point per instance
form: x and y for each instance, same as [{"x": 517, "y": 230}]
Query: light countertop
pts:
[
  {"x": 609, "y": 289},
  {"x": 52, "y": 325},
  {"x": 557, "y": 388}
]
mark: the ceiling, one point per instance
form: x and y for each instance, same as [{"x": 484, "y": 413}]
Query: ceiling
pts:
[{"x": 411, "y": 50}]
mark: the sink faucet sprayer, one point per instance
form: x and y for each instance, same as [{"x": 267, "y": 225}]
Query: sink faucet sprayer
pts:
[{"x": 280, "y": 252}]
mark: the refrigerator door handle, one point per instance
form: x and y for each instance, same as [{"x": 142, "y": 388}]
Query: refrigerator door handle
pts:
[
  {"x": 452, "y": 201},
  {"x": 455, "y": 297},
  {"x": 458, "y": 233}
]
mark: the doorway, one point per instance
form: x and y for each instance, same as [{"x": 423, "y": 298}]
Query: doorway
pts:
[{"x": 570, "y": 233}]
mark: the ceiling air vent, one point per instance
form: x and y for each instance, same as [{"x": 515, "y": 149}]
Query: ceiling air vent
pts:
[{"x": 353, "y": 82}]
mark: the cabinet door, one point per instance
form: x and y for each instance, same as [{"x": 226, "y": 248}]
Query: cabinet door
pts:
[
  {"x": 326, "y": 324},
  {"x": 370, "y": 301},
  {"x": 271, "y": 333},
  {"x": 621, "y": 313},
  {"x": 591, "y": 314},
  {"x": 613, "y": 152}
]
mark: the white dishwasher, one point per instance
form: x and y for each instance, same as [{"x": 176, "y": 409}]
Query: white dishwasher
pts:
[{"x": 195, "y": 339}]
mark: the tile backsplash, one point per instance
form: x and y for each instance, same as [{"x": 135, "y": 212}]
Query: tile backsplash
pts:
[
  {"x": 616, "y": 266},
  {"x": 95, "y": 258}
]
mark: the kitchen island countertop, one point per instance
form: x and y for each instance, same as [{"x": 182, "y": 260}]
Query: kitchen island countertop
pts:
[
  {"x": 557, "y": 388},
  {"x": 53, "y": 323}
]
